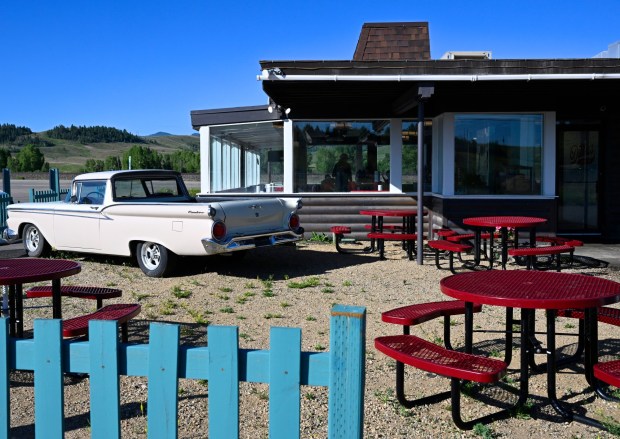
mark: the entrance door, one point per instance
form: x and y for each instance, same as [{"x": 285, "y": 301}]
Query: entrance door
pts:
[{"x": 578, "y": 176}]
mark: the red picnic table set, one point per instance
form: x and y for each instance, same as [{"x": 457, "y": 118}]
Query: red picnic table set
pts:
[
  {"x": 486, "y": 229},
  {"x": 557, "y": 294},
  {"x": 14, "y": 273}
]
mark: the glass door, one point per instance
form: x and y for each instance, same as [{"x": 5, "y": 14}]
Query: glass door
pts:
[{"x": 578, "y": 177}]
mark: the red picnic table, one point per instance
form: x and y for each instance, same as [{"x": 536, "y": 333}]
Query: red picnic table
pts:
[
  {"x": 16, "y": 272},
  {"x": 503, "y": 223},
  {"x": 529, "y": 291},
  {"x": 377, "y": 225}
]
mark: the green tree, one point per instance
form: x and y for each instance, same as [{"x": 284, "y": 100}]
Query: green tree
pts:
[
  {"x": 29, "y": 159},
  {"x": 112, "y": 163},
  {"x": 142, "y": 157},
  {"x": 93, "y": 165}
]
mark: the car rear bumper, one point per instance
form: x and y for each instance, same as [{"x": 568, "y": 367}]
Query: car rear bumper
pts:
[{"x": 213, "y": 247}]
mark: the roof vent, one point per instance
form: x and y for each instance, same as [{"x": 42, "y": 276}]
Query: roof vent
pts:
[{"x": 486, "y": 54}]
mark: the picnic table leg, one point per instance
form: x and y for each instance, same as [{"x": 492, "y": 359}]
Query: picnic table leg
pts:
[
  {"x": 56, "y": 304},
  {"x": 477, "y": 246},
  {"x": 12, "y": 326},
  {"x": 504, "y": 238},
  {"x": 19, "y": 310},
  {"x": 469, "y": 327}
]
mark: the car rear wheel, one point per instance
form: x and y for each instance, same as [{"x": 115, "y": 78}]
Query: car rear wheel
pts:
[
  {"x": 154, "y": 259},
  {"x": 35, "y": 244}
]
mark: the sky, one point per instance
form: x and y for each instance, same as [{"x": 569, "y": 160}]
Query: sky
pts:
[{"x": 144, "y": 65}]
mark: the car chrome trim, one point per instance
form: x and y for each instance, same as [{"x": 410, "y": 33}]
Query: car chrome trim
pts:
[{"x": 213, "y": 247}]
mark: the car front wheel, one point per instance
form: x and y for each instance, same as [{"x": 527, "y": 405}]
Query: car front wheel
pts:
[
  {"x": 35, "y": 244},
  {"x": 154, "y": 259}
]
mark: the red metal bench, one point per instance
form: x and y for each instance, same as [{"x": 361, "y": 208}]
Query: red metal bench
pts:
[
  {"x": 411, "y": 315},
  {"x": 450, "y": 247},
  {"x": 84, "y": 292},
  {"x": 121, "y": 313},
  {"x": 409, "y": 238},
  {"x": 530, "y": 254},
  {"x": 608, "y": 372},
  {"x": 557, "y": 240},
  {"x": 427, "y": 356}
]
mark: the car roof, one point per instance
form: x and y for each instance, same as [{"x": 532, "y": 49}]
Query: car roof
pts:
[{"x": 106, "y": 175}]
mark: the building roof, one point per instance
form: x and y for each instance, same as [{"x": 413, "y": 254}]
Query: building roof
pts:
[
  {"x": 383, "y": 89},
  {"x": 393, "y": 41}
]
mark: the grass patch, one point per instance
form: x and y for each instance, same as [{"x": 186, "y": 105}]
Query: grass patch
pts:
[{"x": 306, "y": 283}]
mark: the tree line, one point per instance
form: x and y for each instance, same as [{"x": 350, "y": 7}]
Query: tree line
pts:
[
  {"x": 143, "y": 157},
  {"x": 95, "y": 134}
]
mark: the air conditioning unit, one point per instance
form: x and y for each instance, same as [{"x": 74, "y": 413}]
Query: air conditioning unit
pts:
[{"x": 474, "y": 54}]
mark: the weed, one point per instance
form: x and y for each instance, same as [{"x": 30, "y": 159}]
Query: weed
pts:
[
  {"x": 204, "y": 383},
  {"x": 319, "y": 237},
  {"x": 273, "y": 316},
  {"x": 268, "y": 293},
  {"x": 195, "y": 283},
  {"x": 241, "y": 300},
  {"x": 225, "y": 289},
  {"x": 319, "y": 347},
  {"x": 223, "y": 296},
  {"x": 310, "y": 396},
  {"x": 306, "y": 283},
  {"x": 199, "y": 317},
  {"x": 484, "y": 431},
  {"x": 347, "y": 283},
  {"x": 569, "y": 325},
  {"x": 245, "y": 336},
  {"x": 311, "y": 319},
  {"x": 139, "y": 296},
  {"x": 180, "y": 293},
  {"x": 385, "y": 397},
  {"x": 285, "y": 304},
  {"x": 111, "y": 284},
  {"x": 250, "y": 285},
  {"x": 612, "y": 426},
  {"x": 327, "y": 290},
  {"x": 249, "y": 294},
  {"x": 267, "y": 283},
  {"x": 438, "y": 340},
  {"x": 328, "y": 284},
  {"x": 524, "y": 412},
  {"x": 227, "y": 310},
  {"x": 241, "y": 318},
  {"x": 495, "y": 353},
  {"x": 168, "y": 307}
]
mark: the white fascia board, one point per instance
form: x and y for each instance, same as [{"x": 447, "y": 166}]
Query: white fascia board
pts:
[{"x": 266, "y": 76}]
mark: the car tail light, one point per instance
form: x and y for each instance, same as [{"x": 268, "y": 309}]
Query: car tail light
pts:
[
  {"x": 218, "y": 230},
  {"x": 293, "y": 221}
]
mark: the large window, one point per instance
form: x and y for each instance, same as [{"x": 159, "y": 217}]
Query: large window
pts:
[
  {"x": 498, "y": 154},
  {"x": 247, "y": 157},
  {"x": 341, "y": 156}
]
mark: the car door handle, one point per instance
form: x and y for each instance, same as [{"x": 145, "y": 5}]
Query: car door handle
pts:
[{"x": 94, "y": 207}]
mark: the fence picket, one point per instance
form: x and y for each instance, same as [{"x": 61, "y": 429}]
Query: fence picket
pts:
[
  {"x": 49, "y": 400},
  {"x": 161, "y": 408},
  {"x": 104, "y": 380},
  {"x": 284, "y": 381},
  {"x": 223, "y": 382}
]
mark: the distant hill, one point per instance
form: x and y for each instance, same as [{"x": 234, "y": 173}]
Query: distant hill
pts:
[
  {"x": 159, "y": 134},
  {"x": 70, "y": 156}
]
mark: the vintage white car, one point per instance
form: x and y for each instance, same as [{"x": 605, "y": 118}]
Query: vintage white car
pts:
[{"x": 150, "y": 214}]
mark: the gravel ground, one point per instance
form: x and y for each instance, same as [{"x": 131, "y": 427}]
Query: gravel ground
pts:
[{"x": 256, "y": 293}]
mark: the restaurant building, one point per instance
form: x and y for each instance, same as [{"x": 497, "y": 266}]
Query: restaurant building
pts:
[{"x": 467, "y": 134}]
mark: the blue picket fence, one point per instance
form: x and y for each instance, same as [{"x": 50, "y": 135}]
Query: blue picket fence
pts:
[
  {"x": 163, "y": 361},
  {"x": 5, "y": 200},
  {"x": 43, "y": 196}
]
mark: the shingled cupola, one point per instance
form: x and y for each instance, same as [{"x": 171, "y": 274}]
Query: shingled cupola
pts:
[{"x": 394, "y": 42}]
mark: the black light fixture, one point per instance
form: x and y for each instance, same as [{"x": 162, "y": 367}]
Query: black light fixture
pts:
[{"x": 284, "y": 112}]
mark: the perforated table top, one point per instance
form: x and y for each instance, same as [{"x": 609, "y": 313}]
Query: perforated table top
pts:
[
  {"x": 504, "y": 221},
  {"x": 24, "y": 270},
  {"x": 531, "y": 289}
]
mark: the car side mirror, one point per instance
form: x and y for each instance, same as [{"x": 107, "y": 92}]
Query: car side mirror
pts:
[{"x": 73, "y": 199}]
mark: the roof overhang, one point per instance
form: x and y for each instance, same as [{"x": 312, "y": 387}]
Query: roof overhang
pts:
[{"x": 361, "y": 89}]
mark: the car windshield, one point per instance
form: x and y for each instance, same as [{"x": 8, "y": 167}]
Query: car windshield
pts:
[{"x": 88, "y": 192}]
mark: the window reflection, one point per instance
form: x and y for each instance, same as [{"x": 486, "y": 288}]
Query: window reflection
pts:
[
  {"x": 498, "y": 154},
  {"x": 341, "y": 156}
]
